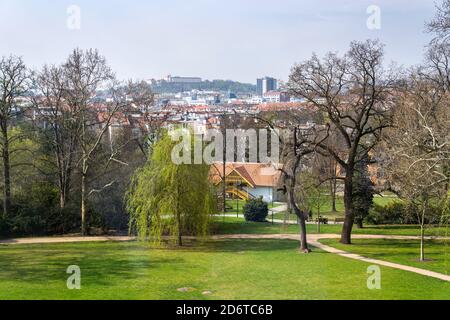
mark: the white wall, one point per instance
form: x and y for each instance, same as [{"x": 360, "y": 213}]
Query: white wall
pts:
[{"x": 265, "y": 192}]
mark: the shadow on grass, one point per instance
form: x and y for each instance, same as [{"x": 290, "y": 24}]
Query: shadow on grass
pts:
[
  {"x": 239, "y": 245},
  {"x": 391, "y": 227},
  {"x": 404, "y": 250},
  {"x": 101, "y": 265}
]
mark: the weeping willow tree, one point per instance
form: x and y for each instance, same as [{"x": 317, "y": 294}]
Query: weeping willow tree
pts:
[{"x": 169, "y": 199}]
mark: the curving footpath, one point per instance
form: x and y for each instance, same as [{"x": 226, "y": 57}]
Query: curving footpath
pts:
[{"x": 313, "y": 239}]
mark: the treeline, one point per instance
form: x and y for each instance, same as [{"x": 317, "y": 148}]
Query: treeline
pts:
[
  {"x": 65, "y": 162},
  {"x": 206, "y": 85}
]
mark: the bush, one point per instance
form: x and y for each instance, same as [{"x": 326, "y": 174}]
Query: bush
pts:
[
  {"x": 256, "y": 210},
  {"x": 392, "y": 213},
  {"x": 399, "y": 212},
  {"x": 4, "y": 227},
  {"x": 34, "y": 211}
]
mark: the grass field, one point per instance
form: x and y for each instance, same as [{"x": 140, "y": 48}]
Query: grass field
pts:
[
  {"x": 230, "y": 225},
  {"x": 437, "y": 253},
  {"x": 325, "y": 209},
  {"x": 237, "y": 269},
  {"x": 225, "y": 269},
  {"x": 235, "y": 205}
]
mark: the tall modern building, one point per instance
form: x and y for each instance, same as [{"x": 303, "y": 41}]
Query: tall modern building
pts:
[{"x": 265, "y": 84}]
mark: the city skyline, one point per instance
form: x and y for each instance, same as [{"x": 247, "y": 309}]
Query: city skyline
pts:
[{"x": 236, "y": 40}]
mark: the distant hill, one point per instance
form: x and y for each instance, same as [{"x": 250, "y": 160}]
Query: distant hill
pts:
[{"x": 214, "y": 85}]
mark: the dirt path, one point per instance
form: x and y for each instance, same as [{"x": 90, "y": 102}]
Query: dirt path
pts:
[
  {"x": 313, "y": 239},
  {"x": 44, "y": 240}
]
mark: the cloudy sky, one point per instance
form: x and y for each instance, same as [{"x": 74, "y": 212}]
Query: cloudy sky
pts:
[{"x": 213, "y": 39}]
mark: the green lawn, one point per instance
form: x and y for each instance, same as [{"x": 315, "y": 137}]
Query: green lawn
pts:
[
  {"x": 233, "y": 206},
  {"x": 230, "y": 225},
  {"x": 292, "y": 217},
  {"x": 401, "y": 251},
  {"x": 227, "y": 269},
  {"x": 232, "y": 269},
  {"x": 325, "y": 209}
]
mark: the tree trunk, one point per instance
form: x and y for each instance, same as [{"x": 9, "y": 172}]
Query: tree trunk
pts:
[
  {"x": 318, "y": 219},
  {"x": 84, "y": 170},
  {"x": 333, "y": 184},
  {"x": 422, "y": 244},
  {"x": 6, "y": 172},
  {"x": 349, "y": 217},
  {"x": 302, "y": 222},
  {"x": 422, "y": 230},
  {"x": 180, "y": 240},
  {"x": 62, "y": 199},
  {"x": 333, "y": 194},
  {"x": 60, "y": 166},
  {"x": 224, "y": 159},
  {"x": 83, "y": 204},
  {"x": 64, "y": 186},
  {"x": 180, "y": 231},
  {"x": 303, "y": 241}
]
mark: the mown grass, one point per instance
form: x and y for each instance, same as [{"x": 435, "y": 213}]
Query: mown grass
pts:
[
  {"x": 229, "y": 269},
  {"x": 230, "y": 225},
  {"x": 236, "y": 206},
  {"x": 326, "y": 208},
  {"x": 437, "y": 253}
]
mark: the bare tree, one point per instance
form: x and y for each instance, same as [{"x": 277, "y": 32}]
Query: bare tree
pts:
[
  {"x": 61, "y": 127},
  {"x": 440, "y": 24},
  {"x": 294, "y": 152},
  {"x": 418, "y": 147},
  {"x": 86, "y": 73},
  {"x": 352, "y": 92},
  {"x": 13, "y": 86},
  {"x": 294, "y": 135},
  {"x": 143, "y": 99}
]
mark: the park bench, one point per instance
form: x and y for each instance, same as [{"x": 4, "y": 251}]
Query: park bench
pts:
[
  {"x": 322, "y": 220},
  {"x": 338, "y": 220}
]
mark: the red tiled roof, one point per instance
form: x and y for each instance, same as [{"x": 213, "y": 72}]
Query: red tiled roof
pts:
[{"x": 257, "y": 174}]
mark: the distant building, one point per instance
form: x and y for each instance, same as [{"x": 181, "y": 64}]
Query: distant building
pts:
[
  {"x": 249, "y": 180},
  {"x": 276, "y": 96},
  {"x": 183, "y": 79},
  {"x": 231, "y": 95},
  {"x": 266, "y": 84}
]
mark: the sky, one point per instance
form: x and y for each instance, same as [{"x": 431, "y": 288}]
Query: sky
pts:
[{"x": 213, "y": 39}]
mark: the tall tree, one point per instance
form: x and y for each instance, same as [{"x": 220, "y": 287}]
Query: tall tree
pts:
[
  {"x": 142, "y": 96},
  {"x": 353, "y": 93},
  {"x": 168, "y": 196},
  {"x": 60, "y": 126},
  {"x": 13, "y": 86},
  {"x": 295, "y": 152},
  {"x": 86, "y": 73},
  {"x": 418, "y": 147},
  {"x": 294, "y": 133},
  {"x": 418, "y": 157}
]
